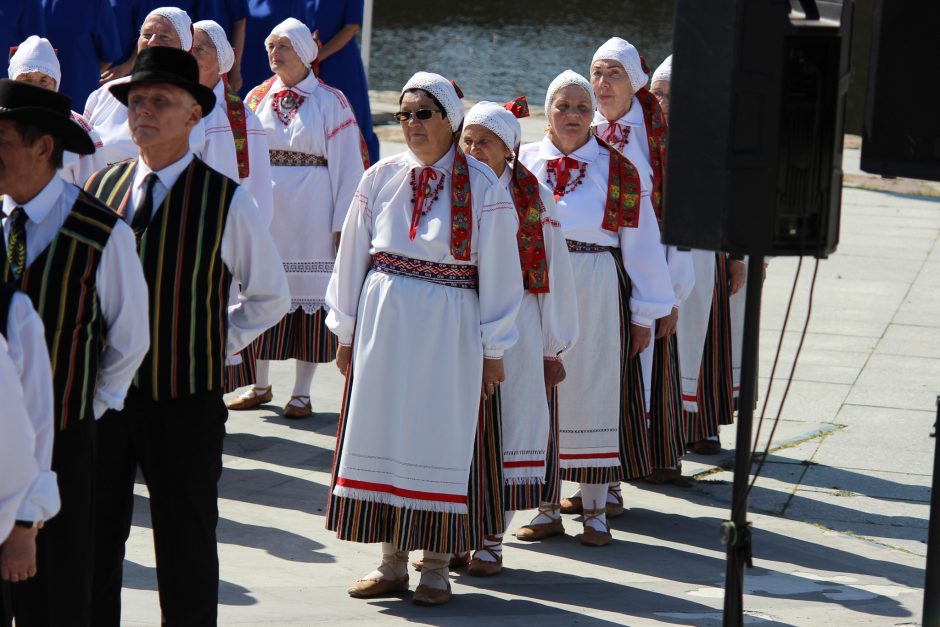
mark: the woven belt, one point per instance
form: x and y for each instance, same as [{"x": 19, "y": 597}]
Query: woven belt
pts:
[
  {"x": 449, "y": 274},
  {"x": 292, "y": 158},
  {"x": 583, "y": 247}
]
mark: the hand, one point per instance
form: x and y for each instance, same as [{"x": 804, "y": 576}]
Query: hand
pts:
[
  {"x": 493, "y": 375},
  {"x": 554, "y": 372},
  {"x": 343, "y": 357},
  {"x": 18, "y": 555},
  {"x": 235, "y": 79},
  {"x": 737, "y": 273},
  {"x": 639, "y": 339},
  {"x": 666, "y": 325},
  {"x": 116, "y": 71}
]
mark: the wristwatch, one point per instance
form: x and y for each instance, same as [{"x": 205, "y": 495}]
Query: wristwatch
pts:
[{"x": 29, "y": 524}]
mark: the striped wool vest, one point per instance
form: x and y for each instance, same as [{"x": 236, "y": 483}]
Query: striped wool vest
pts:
[
  {"x": 61, "y": 282},
  {"x": 188, "y": 283}
]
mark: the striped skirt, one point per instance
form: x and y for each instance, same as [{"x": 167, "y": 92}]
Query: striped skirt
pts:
[
  {"x": 298, "y": 335},
  {"x": 410, "y": 530},
  {"x": 667, "y": 424},
  {"x": 243, "y": 374},
  {"x": 716, "y": 382},
  {"x": 521, "y": 496}
]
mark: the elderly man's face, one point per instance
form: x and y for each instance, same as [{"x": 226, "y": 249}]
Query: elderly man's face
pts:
[
  {"x": 158, "y": 31},
  {"x": 612, "y": 87},
  {"x": 206, "y": 57},
  {"x": 161, "y": 115},
  {"x": 38, "y": 79}
]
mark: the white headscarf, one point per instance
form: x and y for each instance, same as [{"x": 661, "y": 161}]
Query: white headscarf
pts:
[
  {"x": 223, "y": 49},
  {"x": 497, "y": 119},
  {"x": 443, "y": 90},
  {"x": 622, "y": 51},
  {"x": 35, "y": 54},
  {"x": 181, "y": 24},
  {"x": 664, "y": 71},
  {"x": 568, "y": 77},
  {"x": 301, "y": 39}
]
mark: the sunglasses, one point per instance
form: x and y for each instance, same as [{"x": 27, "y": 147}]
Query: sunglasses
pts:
[{"x": 423, "y": 114}]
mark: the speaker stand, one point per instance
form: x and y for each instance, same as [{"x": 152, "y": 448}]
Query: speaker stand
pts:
[{"x": 736, "y": 533}]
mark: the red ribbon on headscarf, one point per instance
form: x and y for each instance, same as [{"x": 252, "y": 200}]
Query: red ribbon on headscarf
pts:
[{"x": 422, "y": 187}]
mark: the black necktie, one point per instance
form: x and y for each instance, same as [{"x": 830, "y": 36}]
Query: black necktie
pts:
[
  {"x": 145, "y": 209},
  {"x": 16, "y": 244}
]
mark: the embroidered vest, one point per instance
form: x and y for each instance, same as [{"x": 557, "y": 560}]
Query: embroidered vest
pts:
[
  {"x": 188, "y": 283},
  {"x": 61, "y": 282}
]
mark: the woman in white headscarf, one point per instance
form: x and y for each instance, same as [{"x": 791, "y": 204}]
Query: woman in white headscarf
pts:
[
  {"x": 547, "y": 324},
  {"x": 316, "y": 163},
  {"x": 623, "y": 287},
  {"x": 35, "y": 62},
  {"x": 629, "y": 119},
  {"x": 424, "y": 308}
]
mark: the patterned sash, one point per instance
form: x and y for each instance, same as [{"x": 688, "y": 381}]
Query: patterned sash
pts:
[
  {"x": 530, "y": 237},
  {"x": 575, "y": 246},
  {"x": 657, "y": 134},
  {"x": 461, "y": 210},
  {"x": 235, "y": 110},
  {"x": 449, "y": 274},
  {"x": 258, "y": 93},
  {"x": 623, "y": 192},
  {"x": 294, "y": 158}
]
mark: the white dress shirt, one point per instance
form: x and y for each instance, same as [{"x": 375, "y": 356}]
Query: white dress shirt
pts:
[
  {"x": 26, "y": 341},
  {"x": 119, "y": 281},
  {"x": 247, "y": 251},
  {"x": 18, "y": 467}
]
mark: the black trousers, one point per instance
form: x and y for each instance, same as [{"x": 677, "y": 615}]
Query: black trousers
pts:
[
  {"x": 177, "y": 444},
  {"x": 60, "y": 593}
]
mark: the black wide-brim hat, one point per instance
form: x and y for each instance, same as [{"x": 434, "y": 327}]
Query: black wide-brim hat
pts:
[
  {"x": 167, "y": 66},
  {"x": 46, "y": 110}
]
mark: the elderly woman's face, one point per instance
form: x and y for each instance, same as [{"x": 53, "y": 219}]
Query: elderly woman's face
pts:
[
  {"x": 425, "y": 137},
  {"x": 206, "y": 57},
  {"x": 158, "y": 31},
  {"x": 282, "y": 57},
  {"x": 570, "y": 115},
  {"x": 484, "y": 145},
  {"x": 612, "y": 86},
  {"x": 38, "y": 79},
  {"x": 660, "y": 89}
]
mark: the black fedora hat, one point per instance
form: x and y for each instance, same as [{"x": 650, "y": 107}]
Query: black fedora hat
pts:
[
  {"x": 44, "y": 109},
  {"x": 168, "y": 66}
]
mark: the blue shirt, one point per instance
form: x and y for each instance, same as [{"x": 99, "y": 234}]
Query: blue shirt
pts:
[
  {"x": 129, "y": 16},
  {"x": 263, "y": 16},
  {"x": 18, "y": 20},
  {"x": 226, "y": 13},
  {"x": 85, "y": 34}
]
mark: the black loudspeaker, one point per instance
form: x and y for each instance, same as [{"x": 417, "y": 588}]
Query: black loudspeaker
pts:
[
  {"x": 901, "y": 134},
  {"x": 755, "y": 137}
]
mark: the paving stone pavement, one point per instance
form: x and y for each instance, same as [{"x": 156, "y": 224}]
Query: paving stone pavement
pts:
[{"x": 840, "y": 512}]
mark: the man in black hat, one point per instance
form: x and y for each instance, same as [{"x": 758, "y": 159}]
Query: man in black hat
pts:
[
  {"x": 197, "y": 231},
  {"x": 77, "y": 262}
]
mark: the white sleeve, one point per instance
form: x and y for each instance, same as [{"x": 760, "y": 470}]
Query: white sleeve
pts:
[
  {"x": 645, "y": 261},
  {"x": 259, "y": 179},
  {"x": 125, "y": 307},
  {"x": 27, "y": 346},
  {"x": 18, "y": 468},
  {"x": 344, "y": 155},
  {"x": 500, "y": 290},
  {"x": 218, "y": 145},
  {"x": 353, "y": 260},
  {"x": 251, "y": 256},
  {"x": 560, "y": 304},
  {"x": 681, "y": 271}
]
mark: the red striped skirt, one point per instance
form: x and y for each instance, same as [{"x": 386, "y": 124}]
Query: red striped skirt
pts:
[
  {"x": 298, "y": 335},
  {"x": 667, "y": 424}
]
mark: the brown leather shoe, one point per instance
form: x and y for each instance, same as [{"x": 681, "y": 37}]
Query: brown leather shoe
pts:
[
  {"x": 540, "y": 531},
  {"x": 484, "y": 568},
  {"x": 572, "y": 505},
  {"x": 661, "y": 476},
  {"x": 615, "y": 509},
  {"x": 426, "y": 595},
  {"x": 257, "y": 397},
  {"x": 706, "y": 447},
  {"x": 591, "y": 536},
  {"x": 295, "y": 411},
  {"x": 457, "y": 560},
  {"x": 368, "y": 588}
]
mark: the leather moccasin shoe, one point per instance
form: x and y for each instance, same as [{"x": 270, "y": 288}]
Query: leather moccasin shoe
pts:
[
  {"x": 368, "y": 588},
  {"x": 540, "y": 531}
]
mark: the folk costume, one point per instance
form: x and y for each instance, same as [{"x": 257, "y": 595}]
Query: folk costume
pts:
[
  {"x": 75, "y": 260},
  {"x": 211, "y": 140},
  {"x": 420, "y": 291},
  {"x": 197, "y": 232},
  {"x": 36, "y": 54},
  {"x": 621, "y": 277},
  {"x": 641, "y": 136},
  {"x": 316, "y": 163},
  {"x": 548, "y": 327}
]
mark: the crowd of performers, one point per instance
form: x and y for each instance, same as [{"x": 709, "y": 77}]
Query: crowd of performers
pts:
[{"x": 505, "y": 314}]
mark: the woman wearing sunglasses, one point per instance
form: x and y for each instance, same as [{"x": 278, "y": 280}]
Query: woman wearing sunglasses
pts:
[
  {"x": 623, "y": 286},
  {"x": 316, "y": 163},
  {"x": 424, "y": 308}
]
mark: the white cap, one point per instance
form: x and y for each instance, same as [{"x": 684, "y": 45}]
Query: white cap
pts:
[
  {"x": 35, "y": 54},
  {"x": 566, "y": 78},
  {"x": 664, "y": 71},
  {"x": 497, "y": 119},
  {"x": 223, "y": 49},
  {"x": 622, "y": 51},
  {"x": 181, "y": 24},
  {"x": 444, "y": 90},
  {"x": 301, "y": 39}
]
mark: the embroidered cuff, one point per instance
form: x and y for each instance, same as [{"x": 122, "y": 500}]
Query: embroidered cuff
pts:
[
  {"x": 493, "y": 353},
  {"x": 552, "y": 358}
]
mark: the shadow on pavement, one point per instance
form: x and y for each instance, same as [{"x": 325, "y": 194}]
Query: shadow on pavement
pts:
[{"x": 139, "y": 577}]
